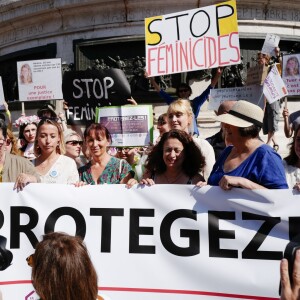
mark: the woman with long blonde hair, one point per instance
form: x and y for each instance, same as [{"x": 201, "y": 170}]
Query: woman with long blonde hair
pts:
[{"x": 49, "y": 147}]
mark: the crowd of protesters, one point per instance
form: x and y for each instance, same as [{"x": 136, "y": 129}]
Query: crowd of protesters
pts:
[{"x": 47, "y": 151}]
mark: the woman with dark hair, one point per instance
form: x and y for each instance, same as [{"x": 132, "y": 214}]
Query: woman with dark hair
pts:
[
  {"x": 176, "y": 159},
  {"x": 291, "y": 163},
  {"x": 103, "y": 168},
  {"x": 62, "y": 269},
  {"x": 27, "y": 133},
  {"x": 51, "y": 163},
  {"x": 248, "y": 162}
]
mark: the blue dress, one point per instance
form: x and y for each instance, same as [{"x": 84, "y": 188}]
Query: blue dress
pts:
[{"x": 264, "y": 166}]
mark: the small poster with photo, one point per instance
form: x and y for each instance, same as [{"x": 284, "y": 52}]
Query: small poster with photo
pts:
[
  {"x": 129, "y": 125},
  {"x": 40, "y": 80},
  {"x": 291, "y": 73}
]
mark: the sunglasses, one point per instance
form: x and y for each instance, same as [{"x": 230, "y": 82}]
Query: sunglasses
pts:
[
  {"x": 183, "y": 90},
  {"x": 75, "y": 143},
  {"x": 125, "y": 149}
]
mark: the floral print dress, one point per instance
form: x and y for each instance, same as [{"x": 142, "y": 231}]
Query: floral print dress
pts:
[{"x": 115, "y": 170}]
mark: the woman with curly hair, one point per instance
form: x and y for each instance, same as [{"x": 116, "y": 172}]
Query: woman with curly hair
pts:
[
  {"x": 176, "y": 159},
  {"x": 291, "y": 163}
]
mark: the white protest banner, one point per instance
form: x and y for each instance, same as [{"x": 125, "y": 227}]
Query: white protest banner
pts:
[
  {"x": 196, "y": 39},
  {"x": 40, "y": 79},
  {"x": 291, "y": 73},
  {"x": 129, "y": 125},
  {"x": 2, "y": 99},
  {"x": 270, "y": 43},
  {"x": 162, "y": 242},
  {"x": 251, "y": 93},
  {"x": 274, "y": 87}
]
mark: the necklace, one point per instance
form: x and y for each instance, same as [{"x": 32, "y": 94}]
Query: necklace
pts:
[{"x": 170, "y": 181}]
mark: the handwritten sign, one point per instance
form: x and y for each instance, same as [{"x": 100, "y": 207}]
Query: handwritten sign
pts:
[
  {"x": 270, "y": 43},
  {"x": 129, "y": 125},
  {"x": 86, "y": 90},
  {"x": 274, "y": 87},
  {"x": 257, "y": 75},
  {"x": 40, "y": 79},
  {"x": 190, "y": 40},
  {"x": 291, "y": 73},
  {"x": 251, "y": 93}
]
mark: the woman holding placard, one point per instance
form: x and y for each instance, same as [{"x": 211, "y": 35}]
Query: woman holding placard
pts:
[
  {"x": 176, "y": 159},
  {"x": 51, "y": 164},
  {"x": 180, "y": 116}
]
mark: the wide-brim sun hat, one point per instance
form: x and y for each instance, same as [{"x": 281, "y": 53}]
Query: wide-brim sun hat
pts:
[{"x": 243, "y": 114}]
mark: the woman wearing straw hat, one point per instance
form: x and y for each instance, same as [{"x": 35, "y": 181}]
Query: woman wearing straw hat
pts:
[{"x": 247, "y": 162}]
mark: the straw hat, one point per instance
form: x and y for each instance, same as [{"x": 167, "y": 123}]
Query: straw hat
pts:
[{"x": 243, "y": 114}]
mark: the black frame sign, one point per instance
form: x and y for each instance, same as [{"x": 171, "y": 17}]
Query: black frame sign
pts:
[{"x": 85, "y": 90}]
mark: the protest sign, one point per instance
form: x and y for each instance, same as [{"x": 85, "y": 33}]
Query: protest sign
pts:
[
  {"x": 86, "y": 90},
  {"x": 274, "y": 87},
  {"x": 191, "y": 40},
  {"x": 257, "y": 75},
  {"x": 270, "y": 43},
  {"x": 251, "y": 93},
  {"x": 39, "y": 79},
  {"x": 162, "y": 242},
  {"x": 130, "y": 125},
  {"x": 2, "y": 99},
  {"x": 291, "y": 73}
]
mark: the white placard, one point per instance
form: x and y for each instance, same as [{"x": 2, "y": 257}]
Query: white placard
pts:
[
  {"x": 270, "y": 43},
  {"x": 164, "y": 242},
  {"x": 291, "y": 73},
  {"x": 274, "y": 87},
  {"x": 251, "y": 93},
  {"x": 196, "y": 39},
  {"x": 129, "y": 125},
  {"x": 40, "y": 80}
]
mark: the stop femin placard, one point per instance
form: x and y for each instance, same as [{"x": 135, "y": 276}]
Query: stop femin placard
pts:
[{"x": 191, "y": 40}]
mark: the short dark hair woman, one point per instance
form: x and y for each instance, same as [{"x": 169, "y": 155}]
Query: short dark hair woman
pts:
[{"x": 176, "y": 159}]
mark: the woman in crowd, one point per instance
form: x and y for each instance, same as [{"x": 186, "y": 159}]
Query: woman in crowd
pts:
[
  {"x": 248, "y": 162},
  {"x": 62, "y": 269},
  {"x": 103, "y": 168},
  {"x": 14, "y": 168},
  {"x": 180, "y": 116},
  {"x": 27, "y": 133},
  {"x": 50, "y": 163},
  {"x": 73, "y": 144},
  {"x": 176, "y": 159},
  {"x": 291, "y": 163},
  {"x": 162, "y": 125}
]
